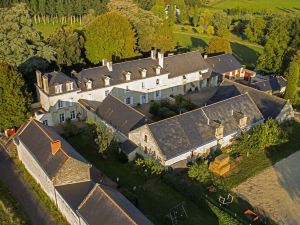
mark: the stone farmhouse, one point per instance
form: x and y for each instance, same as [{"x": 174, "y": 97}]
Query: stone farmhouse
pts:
[
  {"x": 69, "y": 181},
  {"x": 133, "y": 82}
]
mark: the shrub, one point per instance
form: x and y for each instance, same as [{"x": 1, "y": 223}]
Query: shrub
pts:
[
  {"x": 149, "y": 166},
  {"x": 200, "y": 173}
]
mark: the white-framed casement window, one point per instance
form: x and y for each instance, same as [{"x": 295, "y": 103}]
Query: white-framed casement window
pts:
[
  {"x": 58, "y": 88},
  {"x": 69, "y": 86},
  {"x": 45, "y": 122},
  {"x": 157, "y": 94},
  {"x": 73, "y": 115},
  {"x": 71, "y": 102},
  {"x": 61, "y": 117},
  {"x": 127, "y": 89},
  {"x": 128, "y": 100},
  {"x": 60, "y": 104}
]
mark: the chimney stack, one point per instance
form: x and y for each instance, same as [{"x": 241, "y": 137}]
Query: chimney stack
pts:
[
  {"x": 160, "y": 57},
  {"x": 55, "y": 146},
  {"x": 205, "y": 56},
  {"x": 45, "y": 83},
  {"x": 39, "y": 78},
  {"x": 109, "y": 65},
  {"x": 104, "y": 61},
  {"x": 153, "y": 54}
]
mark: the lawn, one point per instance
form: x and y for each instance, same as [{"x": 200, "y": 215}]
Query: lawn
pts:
[
  {"x": 276, "y": 5},
  {"x": 155, "y": 198},
  {"x": 11, "y": 212},
  {"x": 247, "y": 53}
]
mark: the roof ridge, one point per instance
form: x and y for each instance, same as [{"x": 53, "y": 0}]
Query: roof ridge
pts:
[
  {"x": 87, "y": 196},
  {"x": 219, "y": 55},
  {"x": 254, "y": 89},
  {"x": 113, "y": 201}
]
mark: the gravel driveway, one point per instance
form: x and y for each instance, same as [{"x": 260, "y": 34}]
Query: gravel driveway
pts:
[{"x": 276, "y": 190}]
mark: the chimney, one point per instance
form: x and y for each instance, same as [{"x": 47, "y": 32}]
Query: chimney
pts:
[
  {"x": 205, "y": 56},
  {"x": 39, "y": 78},
  {"x": 144, "y": 73},
  {"x": 55, "y": 146},
  {"x": 157, "y": 70},
  {"x": 127, "y": 76},
  {"x": 153, "y": 54},
  {"x": 160, "y": 57},
  {"x": 109, "y": 65},
  {"x": 107, "y": 81},
  {"x": 104, "y": 62},
  {"x": 45, "y": 83}
]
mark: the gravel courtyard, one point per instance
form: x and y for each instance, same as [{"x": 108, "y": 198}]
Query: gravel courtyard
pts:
[{"x": 276, "y": 190}]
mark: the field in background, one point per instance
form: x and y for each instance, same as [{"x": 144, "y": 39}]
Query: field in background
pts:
[{"x": 276, "y": 5}]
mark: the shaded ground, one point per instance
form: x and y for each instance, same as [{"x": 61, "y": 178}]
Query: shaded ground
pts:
[
  {"x": 276, "y": 190},
  {"x": 201, "y": 98}
]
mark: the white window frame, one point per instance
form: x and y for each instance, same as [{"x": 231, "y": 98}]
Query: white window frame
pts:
[
  {"x": 58, "y": 88},
  {"x": 130, "y": 100},
  {"x": 69, "y": 86},
  {"x": 89, "y": 85},
  {"x": 60, "y": 104},
  {"x": 62, "y": 118},
  {"x": 127, "y": 89},
  {"x": 73, "y": 115}
]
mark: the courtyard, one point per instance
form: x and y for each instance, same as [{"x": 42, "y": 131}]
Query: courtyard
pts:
[{"x": 276, "y": 190}]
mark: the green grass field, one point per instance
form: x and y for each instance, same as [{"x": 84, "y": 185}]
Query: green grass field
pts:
[
  {"x": 247, "y": 53},
  {"x": 155, "y": 198},
  {"x": 276, "y": 5},
  {"x": 11, "y": 212}
]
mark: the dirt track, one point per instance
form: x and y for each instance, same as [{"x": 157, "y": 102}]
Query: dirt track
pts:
[{"x": 276, "y": 190}]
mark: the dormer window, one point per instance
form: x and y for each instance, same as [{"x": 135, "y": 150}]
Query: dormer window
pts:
[
  {"x": 157, "y": 70},
  {"x": 204, "y": 71},
  {"x": 157, "y": 81},
  {"x": 89, "y": 84},
  {"x": 128, "y": 76},
  {"x": 58, "y": 88},
  {"x": 69, "y": 86},
  {"x": 144, "y": 73},
  {"x": 107, "y": 81},
  {"x": 184, "y": 77},
  {"x": 219, "y": 132},
  {"x": 243, "y": 122}
]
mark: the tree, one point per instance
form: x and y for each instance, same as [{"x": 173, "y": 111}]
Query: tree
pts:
[
  {"x": 210, "y": 30},
  {"x": 19, "y": 41},
  {"x": 254, "y": 30},
  {"x": 292, "y": 81},
  {"x": 68, "y": 45},
  {"x": 200, "y": 173},
  {"x": 149, "y": 166},
  {"x": 145, "y": 4},
  {"x": 109, "y": 36},
  {"x": 14, "y": 99},
  {"x": 221, "y": 22},
  {"x": 277, "y": 40},
  {"x": 218, "y": 45}
]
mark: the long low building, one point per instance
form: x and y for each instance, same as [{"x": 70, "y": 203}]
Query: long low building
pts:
[{"x": 67, "y": 179}]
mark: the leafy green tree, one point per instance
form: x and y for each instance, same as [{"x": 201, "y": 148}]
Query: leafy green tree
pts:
[
  {"x": 19, "y": 41},
  {"x": 254, "y": 30},
  {"x": 221, "y": 23},
  {"x": 292, "y": 81},
  {"x": 14, "y": 99},
  {"x": 145, "y": 4},
  {"x": 200, "y": 173},
  {"x": 210, "y": 30},
  {"x": 68, "y": 45},
  {"x": 109, "y": 36},
  {"x": 218, "y": 45},
  {"x": 149, "y": 166},
  {"x": 277, "y": 40}
]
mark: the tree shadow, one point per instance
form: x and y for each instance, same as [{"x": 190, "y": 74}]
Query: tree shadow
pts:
[
  {"x": 198, "y": 43},
  {"x": 244, "y": 54}
]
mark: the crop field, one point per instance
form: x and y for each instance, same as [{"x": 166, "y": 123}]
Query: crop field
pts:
[{"x": 276, "y": 5}]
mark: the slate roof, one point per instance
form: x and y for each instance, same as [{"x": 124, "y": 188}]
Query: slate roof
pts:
[
  {"x": 59, "y": 78},
  {"x": 119, "y": 115},
  {"x": 223, "y": 63},
  {"x": 128, "y": 146},
  {"x": 107, "y": 206},
  {"x": 37, "y": 138},
  {"x": 270, "y": 106},
  {"x": 272, "y": 84},
  {"x": 182, "y": 133},
  {"x": 185, "y": 63}
]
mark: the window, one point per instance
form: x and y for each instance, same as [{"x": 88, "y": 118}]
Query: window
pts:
[
  {"x": 58, "y": 89},
  {"x": 71, "y": 103},
  {"x": 60, "y": 104},
  {"x": 243, "y": 122},
  {"x": 143, "y": 86},
  {"x": 69, "y": 86},
  {"x": 72, "y": 115},
  {"x": 61, "y": 117},
  {"x": 128, "y": 100},
  {"x": 184, "y": 77},
  {"x": 145, "y": 138},
  {"x": 127, "y": 89},
  {"x": 45, "y": 122},
  {"x": 157, "y": 81},
  {"x": 145, "y": 149},
  {"x": 106, "y": 92},
  {"x": 157, "y": 94}
]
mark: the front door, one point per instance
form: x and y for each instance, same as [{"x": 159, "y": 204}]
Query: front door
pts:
[{"x": 143, "y": 99}]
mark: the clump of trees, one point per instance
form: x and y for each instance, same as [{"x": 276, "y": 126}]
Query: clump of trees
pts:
[
  {"x": 291, "y": 92},
  {"x": 14, "y": 99},
  {"x": 218, "y": 45}
]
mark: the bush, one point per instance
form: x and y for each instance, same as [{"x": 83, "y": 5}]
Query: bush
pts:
[
  {"x": 69, "y": 128},
  {"x": 200, "y": 173},
  {"x": 149, "y": 166}
]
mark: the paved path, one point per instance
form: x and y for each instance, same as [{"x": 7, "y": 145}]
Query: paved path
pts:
[
  {"x": 37, "y": 214},
  {"x": 276, "y": 190}
]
